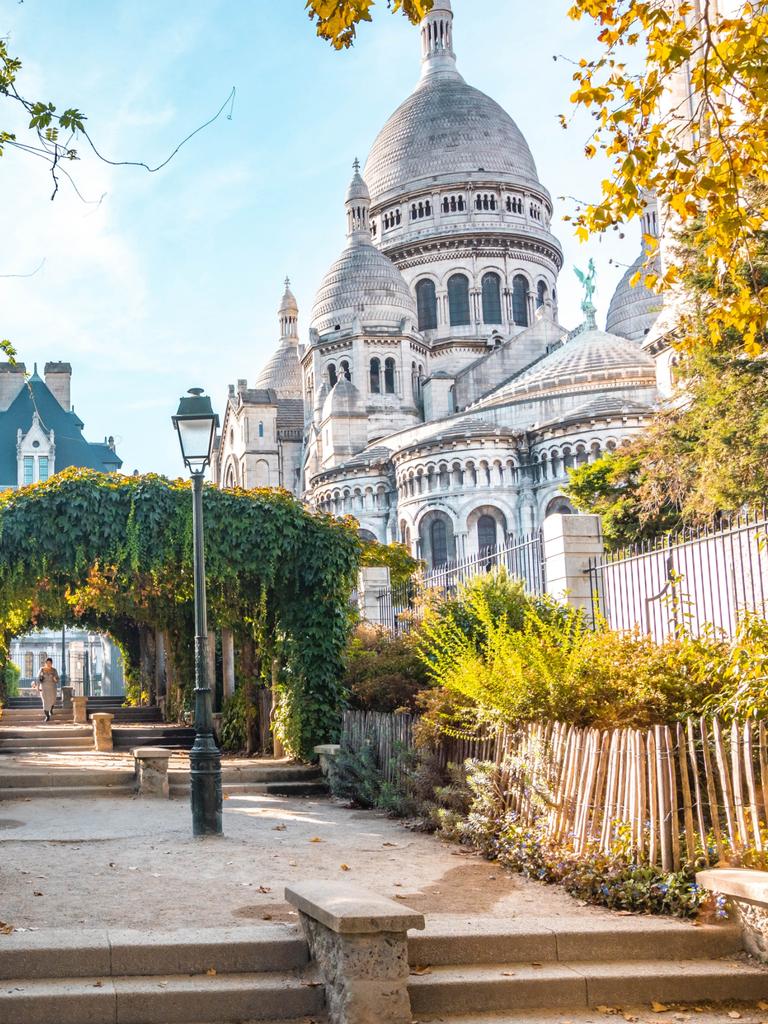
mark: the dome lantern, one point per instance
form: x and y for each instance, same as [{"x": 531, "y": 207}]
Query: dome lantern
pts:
[
  {"x": 437, "y": 42},
  {"x": 358, "y": 204},
  {"x": 288, "y": 314}
]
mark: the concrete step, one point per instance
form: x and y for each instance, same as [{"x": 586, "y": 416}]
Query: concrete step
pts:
[
  {"x": 59, "y": 742},
  {"x": 67, "y": 778},
  {"x": 449, "y": 941},
  {"x": 558, "y": 985},
  {"x": 56, "y": 953},
  {"x": 45, "y": 731},
  {"x": 167, "y": 999},
  {"x": 236, "y": 789}
]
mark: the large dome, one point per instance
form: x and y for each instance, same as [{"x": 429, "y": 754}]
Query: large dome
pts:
[
  {"x": 283, "y": 372},
  {"x": 633, "y": 310},
  {"x": 363, "y": 283},
  {"x": 446, "y": 128}
]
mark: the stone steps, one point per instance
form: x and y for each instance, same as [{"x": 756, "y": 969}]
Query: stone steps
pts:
[
  {"x": 559, "y": 985},
  {"x": 216, "y": 976},
  {"x": 476, "y": 966}
]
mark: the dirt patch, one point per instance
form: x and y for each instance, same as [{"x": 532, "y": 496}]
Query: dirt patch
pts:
[{"x": 10, "y": 823}]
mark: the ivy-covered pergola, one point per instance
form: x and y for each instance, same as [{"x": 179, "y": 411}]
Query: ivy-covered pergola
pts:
[{"x": 114, "y": 553}]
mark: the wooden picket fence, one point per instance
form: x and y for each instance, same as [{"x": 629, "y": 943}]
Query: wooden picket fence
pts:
[{"x": 695, "y": 791}]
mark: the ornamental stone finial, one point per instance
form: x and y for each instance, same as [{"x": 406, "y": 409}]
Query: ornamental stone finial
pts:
[{"x": 356, "y": 165}]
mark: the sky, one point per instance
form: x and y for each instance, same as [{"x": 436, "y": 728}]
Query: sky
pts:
[{"x": 173, "y": 279}]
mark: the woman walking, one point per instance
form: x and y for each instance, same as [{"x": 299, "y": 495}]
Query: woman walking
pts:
[{"x": 48, "y": 681}]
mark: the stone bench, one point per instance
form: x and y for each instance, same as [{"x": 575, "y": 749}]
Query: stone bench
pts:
[
  {"x": 747, "y": 891},
  {"x": 359, "y": 941},
  {"x": 102, "y": 730}
]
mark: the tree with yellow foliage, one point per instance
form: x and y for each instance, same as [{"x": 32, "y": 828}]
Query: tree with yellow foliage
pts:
[{"x": 690, "y": 123}]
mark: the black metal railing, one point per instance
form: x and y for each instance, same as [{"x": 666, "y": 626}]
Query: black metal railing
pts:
[
  {"x": 694, "y": 581},
  {"x": 400, "y": 607}
]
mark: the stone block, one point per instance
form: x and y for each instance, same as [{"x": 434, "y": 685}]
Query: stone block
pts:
[
  {"x": 359, "y": 943},
  {"x": 747, "y": 891},
  {"x": 66, "y": 697},
  {"x": 102, "y": 730},
  {"x": 327, "y": 754},
  {"x": 80, "y": 710},
  {"x": 151, "y": 766}
]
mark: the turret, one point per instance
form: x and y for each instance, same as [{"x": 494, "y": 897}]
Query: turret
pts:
[
  {"x": 358, "y": 204},
  {"x": 288, "y": 315},
  {"x": 437, "y": 54}
]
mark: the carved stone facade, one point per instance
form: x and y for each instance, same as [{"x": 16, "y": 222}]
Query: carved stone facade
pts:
[{"x": 443, "y": 403}]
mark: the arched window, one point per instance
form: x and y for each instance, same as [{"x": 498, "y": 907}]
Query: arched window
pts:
[
  {"x": 375, "y": 376},
  {"x": 458, "y": 300},
  {"x": 491, "y": 299},
  {"x": 446, "y": 205},
  {"x": 332, "y": 378},
  {"x": 486, "y": 532},
  {"x": 389, "y": 376},
  {"x": 261, "y": 428},
  {"x": 344, "y": 368},
  {"x": 559, "y": 506},
  {"x": 439, "y": 542},
  {"x": 520, "y": 301},
  {"x": 426, "y": 304},
  {"x": 541, "y": 294}
]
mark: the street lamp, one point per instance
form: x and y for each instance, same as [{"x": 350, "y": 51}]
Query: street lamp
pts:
[{"x": 196, "y": 423}]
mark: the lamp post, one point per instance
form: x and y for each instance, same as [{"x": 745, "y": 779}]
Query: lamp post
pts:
[{"x": 196, "y": 423}]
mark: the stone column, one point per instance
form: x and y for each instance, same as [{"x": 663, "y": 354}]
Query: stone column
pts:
[
  {"x": 370, "y": 582},
  {"x": 569, "y": 544},
  {"x": 80, "y": 710},
  {"x": 102, "y": 730},
  {"x": 228, "y": 662},
  {"x": 212, "y": 666},
  {"x": 359, "y": 941}
]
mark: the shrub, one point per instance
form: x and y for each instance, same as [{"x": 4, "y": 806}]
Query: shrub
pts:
[
  {"x": 742, "y": 673},
  {"x": 383, "y": 673},
  {"x": 11, "y": 677},
  {"x": 499, "y": 657}
]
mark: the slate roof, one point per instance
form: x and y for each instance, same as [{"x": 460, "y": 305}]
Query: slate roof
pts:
[{"x": 71, "y": 447}]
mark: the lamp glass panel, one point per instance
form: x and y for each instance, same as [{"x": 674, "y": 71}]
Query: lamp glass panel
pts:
[{"x": 195, "y": 438}]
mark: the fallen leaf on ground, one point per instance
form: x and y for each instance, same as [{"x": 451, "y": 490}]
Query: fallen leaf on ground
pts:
[
  {"x": 421, "y": 970},
  {"x": 225, "y": 796},
  {"x": 734, "y": 1014},
  {"x": 536, "y": 963},
  {"x": 266, "y": 917},
  {"x": 315, "y": 839},
  {"x": 279, "y": 828},
  {"x": 264, "y": 888},
  {"x": 311, "y": 984},
  {"x": 98, "y": 984},
  {"x": 762, "y": 1005},
  {"x": 508, "y": 974},
  {"x": 5, "y": 928},
  {"x": 344, "y": 867},
  {"x": 211, "y": 972},
  {"x": 630, "y": 1018},
  {"x": 608, "y": 1009},
  {"x": 36, "y": 893},
  {"x": 658, "y": 1007},
  {"x": 389, "y": 844}
]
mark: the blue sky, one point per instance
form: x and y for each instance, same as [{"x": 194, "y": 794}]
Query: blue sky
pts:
[{"x": 174, "y": 279}]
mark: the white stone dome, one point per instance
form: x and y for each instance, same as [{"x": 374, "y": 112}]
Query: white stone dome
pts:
[
  {"x": 633, "y": 310},
  {"x": 343, "y": 400},
  {"x": 363, "y": 283},
  {"x": 591, "y": 358},
  {"x": 449, "y": 129}
]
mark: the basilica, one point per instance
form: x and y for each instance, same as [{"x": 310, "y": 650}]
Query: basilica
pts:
[{"x": 436, "y": 397}]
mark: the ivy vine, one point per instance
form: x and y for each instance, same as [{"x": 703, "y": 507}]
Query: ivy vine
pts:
[{"x": 114, "y": 553}]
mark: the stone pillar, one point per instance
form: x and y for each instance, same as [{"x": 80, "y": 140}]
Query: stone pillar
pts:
[
  {"x": 151, "y": 767},
  {"x": 66, "y": 697},
  {"x": 360, "y": 944},
  {"x": 80, "y": 710},
  {"x": 569, "y": 544},
  {"x": 370, "y": 582},
  {"x": 102, "y": 730},
  {"x": 228, "y": 662},
  {"x": 212, "y": 666}
]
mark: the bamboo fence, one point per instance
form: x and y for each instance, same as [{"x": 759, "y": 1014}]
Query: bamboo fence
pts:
[{"x": 692, "y": 792}]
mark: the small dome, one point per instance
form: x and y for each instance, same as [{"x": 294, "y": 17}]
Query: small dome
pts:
[
  {"x": 343, "y": 400},
  {"x": 633, "y": 310},
  {"x": 446, "y": 129},
  {"x": 288, "y": 303},
  {"x": 593, "y": 357},
  {"x": 282, "y": 373},
  {"x": 358, "y": 190},
  {"x": 363, "y": 283}
]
